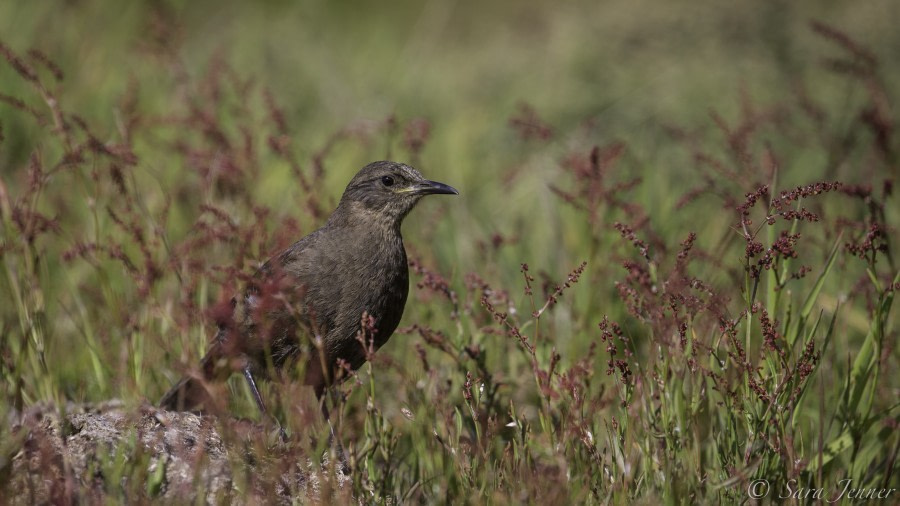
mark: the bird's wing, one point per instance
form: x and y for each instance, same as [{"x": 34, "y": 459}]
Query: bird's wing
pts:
[{"x": 286, "y": 288}]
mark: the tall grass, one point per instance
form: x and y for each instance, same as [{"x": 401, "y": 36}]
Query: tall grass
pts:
[{"x": 739, "y": 330}]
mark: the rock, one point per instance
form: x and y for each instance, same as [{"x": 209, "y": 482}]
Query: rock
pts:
[{"x": 98, "y": 453}]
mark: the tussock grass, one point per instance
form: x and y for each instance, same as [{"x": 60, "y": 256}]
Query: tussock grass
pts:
[{"x": 668, "y": 311}]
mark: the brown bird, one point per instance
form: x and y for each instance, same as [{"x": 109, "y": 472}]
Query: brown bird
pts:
[{"x": 313, "y": 301}]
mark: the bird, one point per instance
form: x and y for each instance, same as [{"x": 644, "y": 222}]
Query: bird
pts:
[{"x": 327, "y": 301}]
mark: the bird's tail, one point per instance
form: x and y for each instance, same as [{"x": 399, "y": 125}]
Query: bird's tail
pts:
[
  {"x": 189, "y": 394},
  {"x": 195, "y": 392}
]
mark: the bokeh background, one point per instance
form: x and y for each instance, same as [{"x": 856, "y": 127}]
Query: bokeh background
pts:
[
  {"x": 494, "y": 98},
  {"x": 631, "y": 68}
]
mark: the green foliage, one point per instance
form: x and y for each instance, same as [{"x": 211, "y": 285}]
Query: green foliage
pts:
[{"x": 670, "y": 272}]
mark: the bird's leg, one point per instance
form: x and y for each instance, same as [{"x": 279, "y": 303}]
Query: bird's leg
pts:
[
  {"x": 333, "y": 441},
  {"x": 248, "y": 375}
]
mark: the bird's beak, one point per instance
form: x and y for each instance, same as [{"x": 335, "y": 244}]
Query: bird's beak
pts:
[{"x": 431, "y": 188}]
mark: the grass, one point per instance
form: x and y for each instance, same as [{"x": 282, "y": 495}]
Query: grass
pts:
[{"x": 670, "y": 273}]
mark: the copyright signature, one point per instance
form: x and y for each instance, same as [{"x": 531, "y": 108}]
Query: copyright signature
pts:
[
  {"x": 792, "y": 489},
  {"x": 758, "y": 489}
]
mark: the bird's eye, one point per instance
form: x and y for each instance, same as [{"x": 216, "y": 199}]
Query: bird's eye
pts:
[{"x": 387, "y": 181}]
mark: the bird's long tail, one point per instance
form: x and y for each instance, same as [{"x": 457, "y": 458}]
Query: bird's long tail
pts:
[
  {"x": 189, "y": 394},
  {"x": 194, "y": 392}
]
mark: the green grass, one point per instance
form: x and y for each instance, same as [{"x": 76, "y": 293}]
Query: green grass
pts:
[{"x": 120, "y": 235}]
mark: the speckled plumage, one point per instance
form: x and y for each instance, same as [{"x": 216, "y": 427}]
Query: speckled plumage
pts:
[{"x": 321, "y": 286}]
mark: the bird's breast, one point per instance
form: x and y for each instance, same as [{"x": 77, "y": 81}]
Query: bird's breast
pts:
[
  {"x": 386, "y": 293},
  {"x": 372, "y": 279}
]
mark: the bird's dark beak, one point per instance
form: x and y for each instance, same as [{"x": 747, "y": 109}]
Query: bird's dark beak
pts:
[{"x": 432, "y": 188}]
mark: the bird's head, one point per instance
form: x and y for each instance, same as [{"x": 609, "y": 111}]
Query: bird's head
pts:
[{"x": 388, "y": 190}]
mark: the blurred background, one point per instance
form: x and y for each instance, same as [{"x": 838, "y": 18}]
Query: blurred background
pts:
[
  {"x": 234, "y": 127},
  {"x": 630, "y": 69}
]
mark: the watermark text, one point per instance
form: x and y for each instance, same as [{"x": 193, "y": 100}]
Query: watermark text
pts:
[{"x": 843, "y": 490}]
